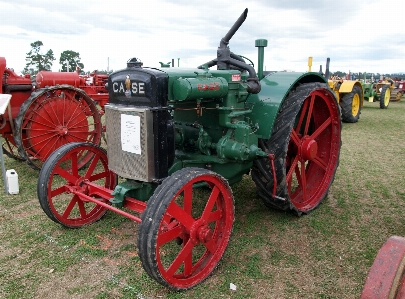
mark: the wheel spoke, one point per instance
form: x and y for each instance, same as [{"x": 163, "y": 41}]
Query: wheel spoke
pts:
[
  {"x": 169, "y": 235},
  {"x": 321, "y": 128},
  {"x": 291, "y": 169},
  {"x": 99, "y": 176},
  {"x": 301, "y": 117},
  {"x": 214, "y": 216},
  {"x": 66, "y": 175},
  {"x": 309, "y": 115},
  {"x": 55, "y": 114},
  {"x": 295, "y": 138},
  {"x": 211, "y": 245},
  {"x": 30, "y": 121},
  {"x": 180, "y": 258},
  {"x": 82, "y": 209},
  {"x": 73, "y": 164},
  {"x": 318, "y": 161},
  {"x": 180, "y": 215},
  {"x": 92, "y": 166},
  {"x": 70, "y": 207},
  {"x": 188, "y": 199},
  {"x": 58, "y": 191},
  {"x": 188, "y": 265},
  {"x": 303, "y": 181},
  {"x": 210, "y": 203},
  {"x": 298, "y": 174}
]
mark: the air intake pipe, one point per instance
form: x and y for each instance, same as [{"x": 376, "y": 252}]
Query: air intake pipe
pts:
[{"x": 226, "y": 59}]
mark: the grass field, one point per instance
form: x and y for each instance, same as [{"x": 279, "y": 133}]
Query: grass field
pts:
[{"x": 271, "y": 254}]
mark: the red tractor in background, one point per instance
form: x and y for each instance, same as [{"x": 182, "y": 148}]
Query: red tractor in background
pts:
[
  {"x": 60, "y": 108},
  {"x": 400, "y": 88}
]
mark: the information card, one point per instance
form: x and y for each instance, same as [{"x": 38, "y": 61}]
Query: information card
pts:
[{"x": 131, "y": 133}]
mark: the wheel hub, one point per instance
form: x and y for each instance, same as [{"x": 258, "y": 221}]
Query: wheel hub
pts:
[
  {"x": 204, "y": 234},
  {"x": 200, "y": 232},
  {"x": 62, "y": 130},
  {"x": 309, "y": 148}
]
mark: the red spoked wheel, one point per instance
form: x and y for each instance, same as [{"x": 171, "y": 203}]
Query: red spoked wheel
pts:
[
  {"x": 60, "y": 175},
  {"x": 185, "y": 230},
  {"x": 55, "y": 116},
  {"x": 306, "y": 142}
]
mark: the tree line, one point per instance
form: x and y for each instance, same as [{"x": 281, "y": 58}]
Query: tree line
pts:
[
  {"x": 376, "y": 76},
  {"x": 69, "y": 60}
]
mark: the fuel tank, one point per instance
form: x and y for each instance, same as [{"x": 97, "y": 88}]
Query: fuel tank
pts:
[{"x": 47, "y": 78}]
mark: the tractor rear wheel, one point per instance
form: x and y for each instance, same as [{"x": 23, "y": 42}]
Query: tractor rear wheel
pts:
[
  {"x": 10, "y": 148},
  {"x": 185, "y": 230},
  {"x": 385, "y": 97},
  {"x": 52, "y": 117},
  {"x": 306, "y": 142},
  {"x": 60, "y": 175},
  {"x": 351, "y": 105}
]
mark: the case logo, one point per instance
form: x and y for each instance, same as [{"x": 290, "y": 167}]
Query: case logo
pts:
[{"x": 129, "y": 88}]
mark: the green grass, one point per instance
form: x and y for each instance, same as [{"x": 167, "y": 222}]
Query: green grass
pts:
[{"x": 271, "y": 254}]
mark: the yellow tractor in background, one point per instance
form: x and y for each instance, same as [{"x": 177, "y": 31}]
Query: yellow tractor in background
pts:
[{"x": 349, "y": 94}]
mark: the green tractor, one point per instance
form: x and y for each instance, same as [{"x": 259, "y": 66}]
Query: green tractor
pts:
[
  {"x": 179, "y": 138},
  {"x": 378, "y": 92}
]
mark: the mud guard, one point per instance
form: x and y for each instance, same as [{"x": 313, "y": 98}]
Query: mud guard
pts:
[{"x": 275, "y": 88}]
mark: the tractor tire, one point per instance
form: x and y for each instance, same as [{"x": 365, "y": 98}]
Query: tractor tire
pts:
[
  {"x": 305, "y": 141},
  {"x": 60, "y": 174},
  {"x": 385, "y": 97},
  {"x": 351, "y": 106},
  {"x": 185, "y": 230},
  {"x": 52, "y": 117}
]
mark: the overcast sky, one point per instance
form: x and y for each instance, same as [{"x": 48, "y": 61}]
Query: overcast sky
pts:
[{"x": 357, "y": 35}]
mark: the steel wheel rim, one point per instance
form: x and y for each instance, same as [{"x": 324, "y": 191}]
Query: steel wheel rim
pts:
[
  {"x": 314, "y": 146},
  {"x": 59, "y": 117},
  {"x": 355, "y": 104},
  {"x": 184, "y": 271},
  {"x": 387, "y": 96},
  {"x": 65, "y": 176}
]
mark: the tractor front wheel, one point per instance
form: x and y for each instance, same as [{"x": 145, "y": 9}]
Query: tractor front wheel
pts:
[
  {"x": 60, "y": 175},
  {"x": 385, "y": 97},
  {"x": 306, "y": 142},
  {"x": 52, "y": 117},
  {"x": 351, "y": 106},
  {"x": 186, "y": 227}
]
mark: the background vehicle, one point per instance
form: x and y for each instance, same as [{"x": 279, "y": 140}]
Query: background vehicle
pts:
[
  {"x": 349, "y": 94},
  {"x": 59, "y": 108}
]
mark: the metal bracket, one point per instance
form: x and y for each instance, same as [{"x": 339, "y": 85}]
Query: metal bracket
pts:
[{"x": 121, "y": 190}]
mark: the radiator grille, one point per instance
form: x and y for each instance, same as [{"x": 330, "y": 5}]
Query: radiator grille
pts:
[{"x": 124, "y": 163}]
